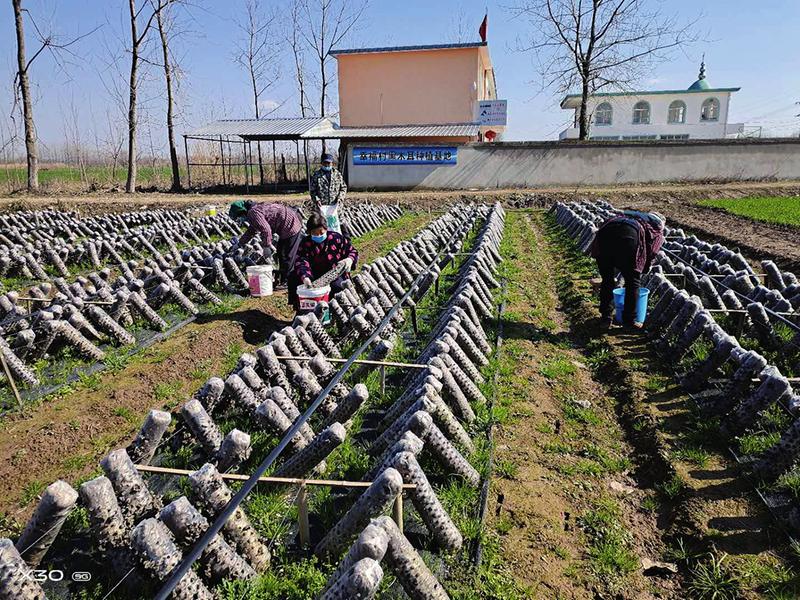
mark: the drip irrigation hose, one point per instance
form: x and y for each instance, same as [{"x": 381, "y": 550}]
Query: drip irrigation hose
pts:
[
  {"x": 484, "y": 499},
  {"x": 192, "y": 555}
]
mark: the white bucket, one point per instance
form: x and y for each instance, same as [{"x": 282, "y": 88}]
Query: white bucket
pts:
[
  {"x": 259, "y": 278},
  {"x": 310, "y": 297}
]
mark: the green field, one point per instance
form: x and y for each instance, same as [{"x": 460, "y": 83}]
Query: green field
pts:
[{"x": 783, "y": 210}]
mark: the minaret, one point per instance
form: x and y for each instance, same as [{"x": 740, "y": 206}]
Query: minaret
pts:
[{"x": 702, "y": 68}]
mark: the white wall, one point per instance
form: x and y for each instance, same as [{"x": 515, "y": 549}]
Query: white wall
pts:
[
  {"x": 534, "y": 164},
  {"x": 622, "y": 121}
]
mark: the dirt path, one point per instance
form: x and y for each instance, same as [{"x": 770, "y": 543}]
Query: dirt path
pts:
[
  {"x": 565, "y": 504},
  {"x": 64, "y": 437}
]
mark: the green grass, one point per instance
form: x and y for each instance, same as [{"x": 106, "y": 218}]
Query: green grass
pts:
[
  {"x": 609, "y": 541},
  {"x": 782, "y": 210},
  {"x": 756, "y": 443},
  {"x": 293, "y": 580},
  {"x": 712, "y": 580}
]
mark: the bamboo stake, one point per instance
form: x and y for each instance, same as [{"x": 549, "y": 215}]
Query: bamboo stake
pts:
[
  {"x": 397, "y": 511},
  {"x": 10, "y": 379},
  {"x": 29, "y": 299},
  {"x": 280, "y": 480},
  {"x": 302, "y": 516}
]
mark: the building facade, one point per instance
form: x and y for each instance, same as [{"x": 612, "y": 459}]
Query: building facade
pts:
[
  {"x": 699, "y": 112},
  {"x": 435, "y": 85}
]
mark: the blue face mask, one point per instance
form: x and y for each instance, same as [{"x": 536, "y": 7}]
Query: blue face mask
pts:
[
  {"x": 326, "y": 167},
  {"x": 319, "y": 238}
]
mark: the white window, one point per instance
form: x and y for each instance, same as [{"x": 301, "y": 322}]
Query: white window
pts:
[
  {"x": 677, "y": 112},
  {"x": 603, "y": 114},
  {"x": 604, "y": 138},
  {"x": 641, "y": 113},
  {"x": 679, "y": 136},
  {"x": 710, "y": 110}
]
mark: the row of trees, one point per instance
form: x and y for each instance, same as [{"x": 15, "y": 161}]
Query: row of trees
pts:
[
  {"x": 310, "y": 29},
  {"x": 589, "y": 44}
]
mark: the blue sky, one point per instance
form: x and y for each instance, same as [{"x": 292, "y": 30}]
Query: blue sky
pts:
[{"x": 749, "y": 44}]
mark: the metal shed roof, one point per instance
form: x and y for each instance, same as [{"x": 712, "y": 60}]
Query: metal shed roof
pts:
[
  {"x": 401, "y": 131},
  {"x": 265, "y": 129}
]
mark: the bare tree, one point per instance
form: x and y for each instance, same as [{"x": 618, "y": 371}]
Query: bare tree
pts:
[
  {"x": 48, "y": 42},
  {"x": 257, "y": 53},
  {"x": 326, "y": 24},
  {"x": 298, "y": 54},
  {"x": 598, "y": 44},
  {"x": 168, "y": 75},
  {"x": 460, "y": 27},
  {"x": 137, "y": 39}
]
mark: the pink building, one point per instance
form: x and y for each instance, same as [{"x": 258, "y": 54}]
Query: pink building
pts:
[{"x": 435, "y": 88}]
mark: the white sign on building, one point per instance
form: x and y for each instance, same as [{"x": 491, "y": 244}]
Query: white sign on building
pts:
[{"x": 493, "y": 112}]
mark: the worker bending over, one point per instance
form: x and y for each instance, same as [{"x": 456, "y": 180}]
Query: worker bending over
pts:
[
  {"x": 265, "y": 220},
  {"x": 627, "y": 243},
  {"x": 320, "y": 251}
]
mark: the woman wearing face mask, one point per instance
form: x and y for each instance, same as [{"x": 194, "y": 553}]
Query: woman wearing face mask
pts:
[{"x": 320, "y": 251}]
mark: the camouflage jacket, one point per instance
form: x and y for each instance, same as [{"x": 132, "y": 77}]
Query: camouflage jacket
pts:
[{"x": 327, "y": 187}]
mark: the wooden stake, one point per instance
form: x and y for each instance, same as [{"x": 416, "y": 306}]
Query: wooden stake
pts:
[
  {"x": 302, "y": 516},
  {"x": 281, "y": 480},
  {"x": 383, "y": 379},
  {"x": 397, "y": 511},
  {"x": 10, "y": 379}
]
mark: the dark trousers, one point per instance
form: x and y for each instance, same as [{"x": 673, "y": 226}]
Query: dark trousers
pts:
[
  {"x": 285, "y": 248},
  {"x": 617, "y": 244}
]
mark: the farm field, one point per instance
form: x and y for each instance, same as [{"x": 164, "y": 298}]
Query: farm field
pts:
[
  {"x": 568, "y": 462},
  {"x": 780, "y": 210}
]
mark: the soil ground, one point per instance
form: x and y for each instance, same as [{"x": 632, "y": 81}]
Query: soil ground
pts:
[
  {"x": 565, "y": 502},
  {"x": 64, "y": 436}
]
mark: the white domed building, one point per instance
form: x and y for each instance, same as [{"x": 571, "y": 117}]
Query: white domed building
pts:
[{"x": 699, "y": 112}]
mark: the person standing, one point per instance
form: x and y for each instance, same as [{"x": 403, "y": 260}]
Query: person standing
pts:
[
  {"x": 327, "y": 188},
  {"x": 627, "y": 243},
  {"x": 265, "y": 220},
  {"x": 327, "y": 185}
]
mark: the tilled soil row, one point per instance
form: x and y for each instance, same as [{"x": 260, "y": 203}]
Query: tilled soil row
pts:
[{"x": 707, "y": 507}]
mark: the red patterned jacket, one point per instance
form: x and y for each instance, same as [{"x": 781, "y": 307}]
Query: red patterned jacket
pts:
[{"x": 314, "y": 260}]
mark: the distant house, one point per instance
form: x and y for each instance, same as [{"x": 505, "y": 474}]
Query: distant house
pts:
[
  {"x": 699, "y": 112},
  {"x": 415, "y": 93}
]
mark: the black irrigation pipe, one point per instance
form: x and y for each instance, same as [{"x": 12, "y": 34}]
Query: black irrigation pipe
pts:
[
  {"x": 484, "y": 499},
  {"x": 248, "y": 486},
  {"x": 771, "y": 312}
]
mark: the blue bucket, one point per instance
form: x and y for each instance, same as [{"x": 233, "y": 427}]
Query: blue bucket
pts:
[{"x": 641, "y": 304}]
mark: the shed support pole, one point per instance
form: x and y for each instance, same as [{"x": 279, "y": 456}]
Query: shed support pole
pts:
[{"x": 188, "y": 166}]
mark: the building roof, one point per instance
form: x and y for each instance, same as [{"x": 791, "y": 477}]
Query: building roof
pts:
[
  {"x": 408, "y": 48},
  {"x": 262, "y": 129},
  {"x": 323, "y": 128},
  {"x": 574, "y": 100},
  {"x": 403, "y": 131}
]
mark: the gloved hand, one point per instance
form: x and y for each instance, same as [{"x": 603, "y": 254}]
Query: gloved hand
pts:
[
  {"x": 348, "y": 264},
  {"x": 307, "y": 282}
]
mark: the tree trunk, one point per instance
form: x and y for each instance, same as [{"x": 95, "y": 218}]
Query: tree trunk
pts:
[
  {"x": 173, "y": 153},
  {"x": 584, "y": 116},
  {"x": 323, "y": 92},
  {"x": 130, "y": 182},
  {"x": 31, "y": 151}
]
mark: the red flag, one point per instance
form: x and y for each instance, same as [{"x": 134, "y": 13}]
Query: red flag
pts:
[{"x": 483, "y": 27}]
